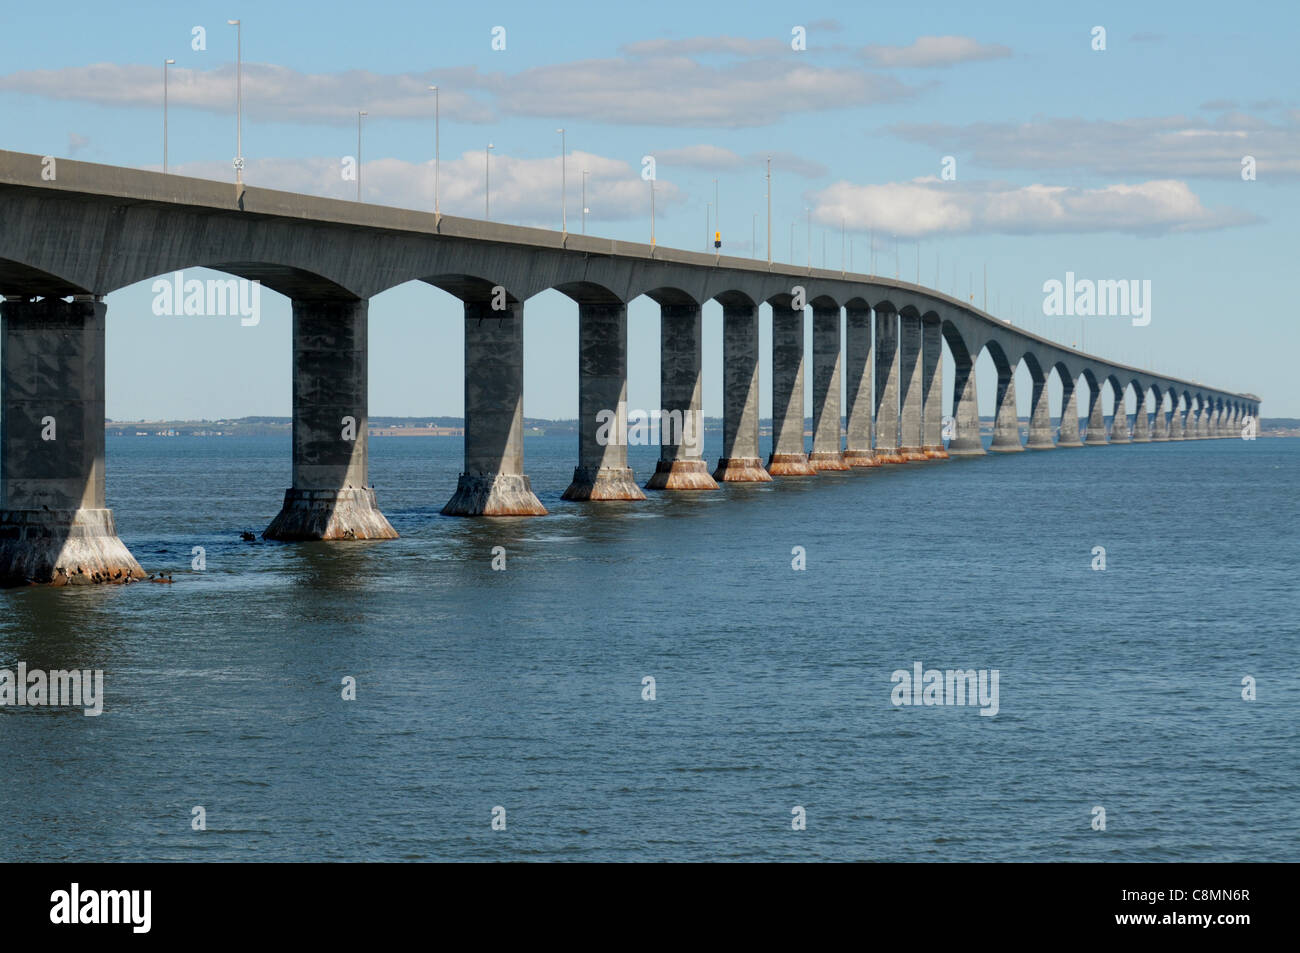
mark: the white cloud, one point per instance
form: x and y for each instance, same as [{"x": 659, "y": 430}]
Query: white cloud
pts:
[
  {"x": 524, "y": 191},
  {"x": 648, "y": 87},
  {"x": 1157, "y": 146},
  {"x": 933, "y": 51},
  {"x": 928, "y": 206}
]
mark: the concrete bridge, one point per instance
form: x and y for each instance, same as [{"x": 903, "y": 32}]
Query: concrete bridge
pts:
[{"x": 67, "y": 241}]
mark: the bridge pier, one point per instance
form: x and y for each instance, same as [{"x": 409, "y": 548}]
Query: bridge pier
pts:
[
  {"x": 493, "y": 482},
  {"x": 1040, "y": 418},
  {"x": 965, "y": 412},
  {"x": 826, "y": 447},
  {"x": 1159, "y": 423},
  {"x": 789, "y": 457},
  {"x": 857, "y": 367},
  {"x": 887, "y": 373},
  {"x": 1178, "y": 423},
  {"x": 331, "y": 496},
  {"x": 54, "y": 526},
  {"x": 1006, "y": 423},
  {"x": 932, "y": 391},
  {"x": 1069, "y": 433},
  {"x": 602, "y": 473},
  {"x": 739, "y": 462},
  {"x": 1096, "y": 434},
  {"x": 1141, "y": 423},
  {"x": 681, "y": 422},
  {"x": 909, "y": 388},
  {"x": 1119, "y": 432}
]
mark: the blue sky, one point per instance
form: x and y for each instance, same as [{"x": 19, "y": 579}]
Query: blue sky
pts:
[{"x": 1122, "y": 163}]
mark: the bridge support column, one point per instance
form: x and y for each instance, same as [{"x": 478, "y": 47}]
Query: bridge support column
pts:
[
  {"x": 965, "y": 412},
  {"x": 54, "y": 526},
  {"x": 1159, "y": 423},
  {"x": 910, "y": 386},
  {"x": 788, "y": 455},
  {"x": 1096, "y": 435},
  {"x": 1069, "y": 433},
  {"x": 494, "y": 483},
  {"x": 1040, "y": 418},
  {"x": 1119, "y": 432},
  {"x": 826, "y": 453},
  {"x": 857, "y": 367},
  {"x": 1141, "y": 423},
  {"x": 1216, "y": 421},
  {"x": 602, "y": 473},
  {"x": 887, "y": 372},
  {"x": 331, "y": 496},
  {"x": 932, "y": 391},
  {"x": 1006, "y": 425},
  {"x": 1202, "y": 421},
  {"x": 739, "y": 462},
  {"x": 1178, "y": 423},
  {"x": 681, "y": 421}
]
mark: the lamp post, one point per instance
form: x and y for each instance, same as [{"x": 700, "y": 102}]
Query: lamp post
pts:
[
  {"x": 166, "y": 63},
  {"x": 564, "y": 205},
  {"x": 717, "y": 211},
  {"x": 239, "y": 100},
  {"x": 769, "y": 211},
  {"x": 585, "y": 173},
  {"x": 436, "y": 149},
  {"x": 360, "y": 113},
  {"x": 487, "y": 183},
  {"x": 808, "y": 212}
]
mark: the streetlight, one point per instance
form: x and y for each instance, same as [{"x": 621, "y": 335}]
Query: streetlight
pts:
[
  {"x": 717, "y": 212},
  {"x": 166, "y": 63},
  {"x": 436, "y": 148},
  {"x": 585, "y": 210},
  {"x": 769, "y": 212},
  {"x": 487, "y": 183},
  {"x": 239, "y": 100},
  {"x": 360, "y": 113},
  {"x": 564, "y": 204}
]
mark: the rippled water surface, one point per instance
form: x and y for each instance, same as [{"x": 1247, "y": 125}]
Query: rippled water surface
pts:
[{"x": 523, "y": 688}]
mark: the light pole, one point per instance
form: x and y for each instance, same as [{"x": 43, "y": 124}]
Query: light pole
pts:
[
  {"x": 717, "y": 212},
  {"x": 436, "y": 149},
  {"x": 360, "y": 113},
  {"x": 564, "y": 204},
  {"x": 652, "y": 215},
  {"x": 487, "y": 183},
  {"x": 769, "y": 211},
  {"x": 166, "y": 63},
  {"x": 808, "y": 212},
  {"x": 239, "y": 100},
  {"x": 585, "y": 173}
]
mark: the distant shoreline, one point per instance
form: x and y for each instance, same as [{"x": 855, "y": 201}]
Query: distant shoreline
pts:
[{"x": 455, "y": 427}]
